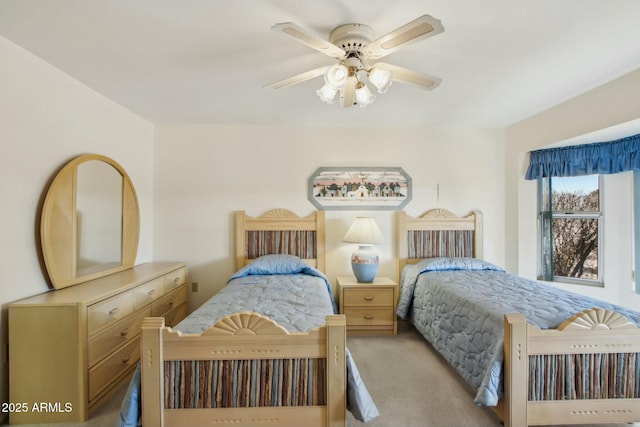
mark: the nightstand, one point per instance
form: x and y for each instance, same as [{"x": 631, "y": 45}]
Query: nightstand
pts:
[{"x": 370, "y": 308}]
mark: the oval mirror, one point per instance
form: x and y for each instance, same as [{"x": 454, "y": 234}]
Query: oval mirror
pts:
[{"x": 90, "y": 221}]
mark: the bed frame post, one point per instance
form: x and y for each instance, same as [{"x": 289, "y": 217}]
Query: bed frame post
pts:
[
  {"x": 516, "y": 365},
  {"x": 320, "y": 242},
  {"x": 336, "y": 370},
  {"x": 241, "y": 254},
  {"x": 402, "y": 249},
  {"x": 477, "y": 235},
  {"x": 152, "y": 375}
]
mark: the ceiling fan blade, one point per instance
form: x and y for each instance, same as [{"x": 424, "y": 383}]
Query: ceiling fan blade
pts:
[
  {"x": 310, "y": 40},
  {"x": 404, "y": 75},
  {"x": 419, "y": 29},
  {"x": 298, "y": 78}
]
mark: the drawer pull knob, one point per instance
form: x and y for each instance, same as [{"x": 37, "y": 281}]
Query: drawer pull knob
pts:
[
  {"x": 124, "y": 333},
  {"x": 113, "y": 311},
  {"x": 176, "y": 280},
  {"x": 368, "y": 298},
  {"x": 171, "y": 303},
  {"x": 151, "y": 292},
  {"x": 126, "y": 359},
  {"x": 368, "y": 316}
]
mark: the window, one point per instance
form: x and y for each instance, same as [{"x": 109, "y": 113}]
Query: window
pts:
[{"x": 570, "y": 219}]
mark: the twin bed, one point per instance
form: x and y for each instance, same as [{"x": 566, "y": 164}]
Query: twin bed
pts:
[
  {"x": 267, "y": 350},
  {"x": 574, "y": 360}
]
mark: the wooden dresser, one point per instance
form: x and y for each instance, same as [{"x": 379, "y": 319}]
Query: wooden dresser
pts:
[{"x": 69, "y": 349}]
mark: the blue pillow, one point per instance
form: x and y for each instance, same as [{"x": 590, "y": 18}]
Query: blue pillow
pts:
[
  {"x": 275, "y": 264},
  {"x": 448, "y": 263}
]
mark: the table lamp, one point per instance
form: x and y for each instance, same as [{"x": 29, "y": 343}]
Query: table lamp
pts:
[{"x": 364, "y": 261}]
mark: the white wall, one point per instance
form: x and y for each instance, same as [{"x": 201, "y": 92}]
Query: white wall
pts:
[
  {"x": 611, "y": 105},
  {"x": 46, "y": 119},
  {"x": 205, "y": 173}
]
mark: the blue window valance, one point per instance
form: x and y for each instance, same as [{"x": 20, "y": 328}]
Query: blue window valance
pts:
[{"x": 587, "y": 159}]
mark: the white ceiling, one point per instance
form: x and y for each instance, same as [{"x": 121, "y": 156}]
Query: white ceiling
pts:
[{"x": 206, "y": 61}]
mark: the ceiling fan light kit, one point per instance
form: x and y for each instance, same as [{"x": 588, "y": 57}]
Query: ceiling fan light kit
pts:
[
  {"x": 336, "y": 76},
  {"x": 353, "y": 45},
  {"x": 327, "y": 93},
  {"x": 364, "y": 96},
  {"x": 381, "y": 79}
]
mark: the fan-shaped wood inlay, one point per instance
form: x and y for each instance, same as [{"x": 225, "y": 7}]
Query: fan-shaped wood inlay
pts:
[
  {"x": 280, "y": 213},
  {"x": 596, "y": 318},
  {"x": 246, "y": 323},
  {"x": 438, "y": 213}
]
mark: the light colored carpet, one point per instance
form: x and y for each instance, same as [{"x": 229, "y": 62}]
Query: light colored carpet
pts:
[
  {"x": 410, "y": 383},
  {"x": 413, "y": 386}
]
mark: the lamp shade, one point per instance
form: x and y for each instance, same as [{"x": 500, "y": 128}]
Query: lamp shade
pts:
[
  {"x": 364, "y": 230},
  {"x": 364, "y": 261}
]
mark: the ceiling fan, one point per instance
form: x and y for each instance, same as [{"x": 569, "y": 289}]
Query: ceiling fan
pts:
[{"x": 357, "y": 52}]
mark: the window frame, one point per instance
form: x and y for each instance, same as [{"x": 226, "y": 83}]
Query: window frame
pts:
[
  {"x": 545, "y": 219},
  {"x": 635, "y": 225}
]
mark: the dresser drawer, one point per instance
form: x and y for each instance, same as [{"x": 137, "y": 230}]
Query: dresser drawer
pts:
[
  {"x": 368, "y": 297},
  {"x": 109, "y": 311},
  {"x": 104, "y": 373},
  {"x": 148, "y": 292},
  {"x": 114, "y": 336},
  {"x": 175, "y": 315},
  {"x": 369, "y": 316},
  {"x": 163, "y": 305},
  {"x": 175, "y": 279}
]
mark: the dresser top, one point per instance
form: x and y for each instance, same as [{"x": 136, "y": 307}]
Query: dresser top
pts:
[{"x": 103, "y": 287}]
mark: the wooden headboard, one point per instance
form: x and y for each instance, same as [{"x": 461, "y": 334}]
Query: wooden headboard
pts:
[
  {"x": 280, "y": 231},
  {"x": 438, "y": 233}
]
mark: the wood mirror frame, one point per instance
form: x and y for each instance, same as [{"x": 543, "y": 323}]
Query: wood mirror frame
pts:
[{"x": 59, "y": 226}]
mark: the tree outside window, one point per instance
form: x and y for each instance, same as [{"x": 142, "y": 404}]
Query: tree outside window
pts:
[{"x": 571, "y": 229}]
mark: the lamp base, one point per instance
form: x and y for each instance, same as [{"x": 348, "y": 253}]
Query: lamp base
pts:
[{"x": 365, "y": 264}]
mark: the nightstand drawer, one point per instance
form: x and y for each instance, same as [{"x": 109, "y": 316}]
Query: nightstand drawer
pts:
[
  {"x": 369, "y": 316},
  {"x": 368, "y": 297}
]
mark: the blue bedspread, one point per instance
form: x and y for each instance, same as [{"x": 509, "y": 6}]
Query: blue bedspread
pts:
[
  {"x": 288, "y": 291},
  {"x": 459, "y": 304}
]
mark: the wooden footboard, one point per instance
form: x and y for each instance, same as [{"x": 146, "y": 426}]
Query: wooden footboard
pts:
[
  {"x": 246, "y": 370},
  {"x": 586, "y": 371}
]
